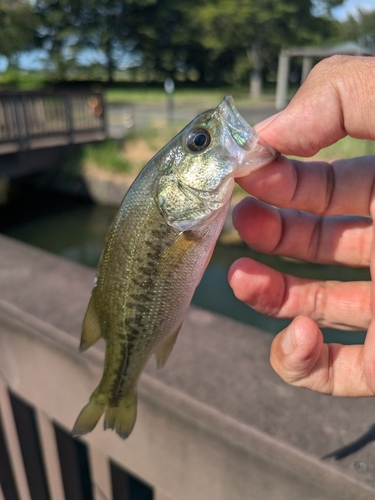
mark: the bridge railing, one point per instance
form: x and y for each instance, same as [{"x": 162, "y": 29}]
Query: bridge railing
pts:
[
  {"x": 215, "y": 424},
  {"x": 32, "y": 120}
]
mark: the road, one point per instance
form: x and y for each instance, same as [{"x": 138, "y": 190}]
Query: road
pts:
[{"x": 122, "y": 118}]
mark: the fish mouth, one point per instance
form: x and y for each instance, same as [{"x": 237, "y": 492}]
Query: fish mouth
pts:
[{"x": 241, "y": 141}]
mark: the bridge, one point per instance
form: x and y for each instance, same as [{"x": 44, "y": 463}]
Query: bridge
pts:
[{"x": 40, "y": 121}]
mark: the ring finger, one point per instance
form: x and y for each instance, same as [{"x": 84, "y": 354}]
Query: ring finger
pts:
[
  {"x": 332, "y": 304},
  {"x": 300, "y": 235}
]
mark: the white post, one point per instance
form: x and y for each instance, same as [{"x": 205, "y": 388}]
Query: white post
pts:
[
  {"x": 13, "y": 445},
  {"x": 100, "y": 474},
  {"x": 307, "y": 64},
  {"x": 282, "y": 81},
  {"x": 50, "y": 455}
]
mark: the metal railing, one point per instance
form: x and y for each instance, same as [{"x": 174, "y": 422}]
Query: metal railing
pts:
[{"x": 32, "y": 120}]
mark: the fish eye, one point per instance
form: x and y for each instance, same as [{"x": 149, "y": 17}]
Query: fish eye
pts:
[{"x": 198, "y": 139}]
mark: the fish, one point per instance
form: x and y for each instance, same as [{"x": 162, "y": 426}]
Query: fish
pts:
[{"x": 155, "y": 254}]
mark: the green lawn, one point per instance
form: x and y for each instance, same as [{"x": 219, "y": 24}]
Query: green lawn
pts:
[
  {"x": 142, "y": 143},
  {"x": 184, "y": 97},
  {"x": 347, "y": 148}
]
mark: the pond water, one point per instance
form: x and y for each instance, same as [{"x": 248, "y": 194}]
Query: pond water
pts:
[{"x": 75, "y": 229}]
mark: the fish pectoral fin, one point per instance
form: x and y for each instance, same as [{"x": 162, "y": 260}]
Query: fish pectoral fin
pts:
[
  {"x": 173, "y": 254},
  {"x": 91, "y": 331},
  {"x": 163, "y": 351}
]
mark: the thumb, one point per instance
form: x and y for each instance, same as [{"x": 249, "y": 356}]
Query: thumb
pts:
[
  {"x": 299, "y": 356},
  {"x": 296, "y": 354}
]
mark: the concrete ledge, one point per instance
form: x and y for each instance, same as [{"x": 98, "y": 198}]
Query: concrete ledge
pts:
[{"x": 215, "y": 423}]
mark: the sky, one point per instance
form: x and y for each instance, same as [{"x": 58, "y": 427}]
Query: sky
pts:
[
  {"x": 35, "y": 60},
  {"x": 350, "y": 7}
]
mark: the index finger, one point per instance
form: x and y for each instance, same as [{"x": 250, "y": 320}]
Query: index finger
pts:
[{"x": 324, "y": 188}]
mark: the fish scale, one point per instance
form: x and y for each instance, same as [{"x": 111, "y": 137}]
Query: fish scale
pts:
[{"x": 156, "y": 251}]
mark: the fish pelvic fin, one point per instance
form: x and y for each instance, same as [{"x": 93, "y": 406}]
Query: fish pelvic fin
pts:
[
  {"x": 163, "y": 351},
  {"x": 121, "y": 418},
  {"x": 91, "y": 331},
  {"x": 90, "y": 415}
]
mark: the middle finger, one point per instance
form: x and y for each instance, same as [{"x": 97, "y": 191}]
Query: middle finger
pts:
[{"x": 300, "y": 235}]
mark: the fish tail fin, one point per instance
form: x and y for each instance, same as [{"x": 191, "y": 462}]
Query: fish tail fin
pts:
[
  {"x": 121, "y": 418},
  {"x": 90, "y": 415}
]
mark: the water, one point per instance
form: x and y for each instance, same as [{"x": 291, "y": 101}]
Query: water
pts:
[{"x": 75, "y": 230}]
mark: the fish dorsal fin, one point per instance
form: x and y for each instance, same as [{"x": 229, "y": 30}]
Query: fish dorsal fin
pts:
[
  {"x": 163, "y": 351},
  {"x": 173, "y": 254},
  {"x": 91, "y": 331}
]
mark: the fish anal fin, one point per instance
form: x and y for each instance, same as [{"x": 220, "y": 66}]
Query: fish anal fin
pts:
[
  {"x": 173, "y": 254},
  {"x": 91, "y": 331},
  {"x": 163, "y": 351},
  {"x": 121, "y": 418}
]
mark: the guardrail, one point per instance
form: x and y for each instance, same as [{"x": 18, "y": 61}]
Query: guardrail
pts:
[
  {"x": 215, "y": 424},
  {"x": 33, "y": 120}
]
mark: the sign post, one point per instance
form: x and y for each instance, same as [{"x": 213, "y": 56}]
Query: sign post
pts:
[{"x": 169, "y": 89}]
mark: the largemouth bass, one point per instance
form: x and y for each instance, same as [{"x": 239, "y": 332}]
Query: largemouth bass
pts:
[{"x": 156, "y": 251}]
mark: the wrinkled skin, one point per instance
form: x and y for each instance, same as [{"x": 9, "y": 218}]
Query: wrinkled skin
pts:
[{"x": 302, "y": 212}]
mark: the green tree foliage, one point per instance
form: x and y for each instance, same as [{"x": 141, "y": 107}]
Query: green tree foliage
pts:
[
  {"x": 361, "y": 27},
  {"x": 17, "y": 24},
  {"x": 69, "y": 26},
  {"x": 57, "y": 31},
  {"x": 261, "y": 29},
  {"x": 170, "y": 41},
  {"x": 214, "y": 41}
]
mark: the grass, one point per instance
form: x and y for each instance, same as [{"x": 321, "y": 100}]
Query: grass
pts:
[
  {"x": 141, "y": 145},
  {"x": 107, "y": 155},
  {"x": 205, "y": 98},
  {"x": 347, "y": 148}
]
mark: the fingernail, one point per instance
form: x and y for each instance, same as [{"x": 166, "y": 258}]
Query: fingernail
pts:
[
  {"x": 263, "y": 124},
  {"x": 288, "y": 342}
]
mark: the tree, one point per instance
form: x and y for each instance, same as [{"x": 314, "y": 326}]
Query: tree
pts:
[
  {"x": 17, "y": 25},
  {"x": 158, "y": 34},
  {"x": 57, "y": 31},
  {"x": 361, "y": 27},
  {"x": 69, "y": 26},
  {"x": 261, "y": 29},
  {"x": 211, "y": 40}
]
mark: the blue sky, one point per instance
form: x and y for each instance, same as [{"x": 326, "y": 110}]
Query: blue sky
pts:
[
  {"x": 35, "y": 59},
  {"x": 350, "y": 6}
]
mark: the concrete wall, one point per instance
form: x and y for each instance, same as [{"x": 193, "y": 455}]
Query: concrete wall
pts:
[{"x": 215, "y": 423}]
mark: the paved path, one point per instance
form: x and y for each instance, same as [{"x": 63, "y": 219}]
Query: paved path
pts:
[{"x": 122, "y": 118}]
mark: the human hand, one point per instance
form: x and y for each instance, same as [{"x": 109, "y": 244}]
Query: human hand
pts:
[{"x": 302, "y": 211}]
